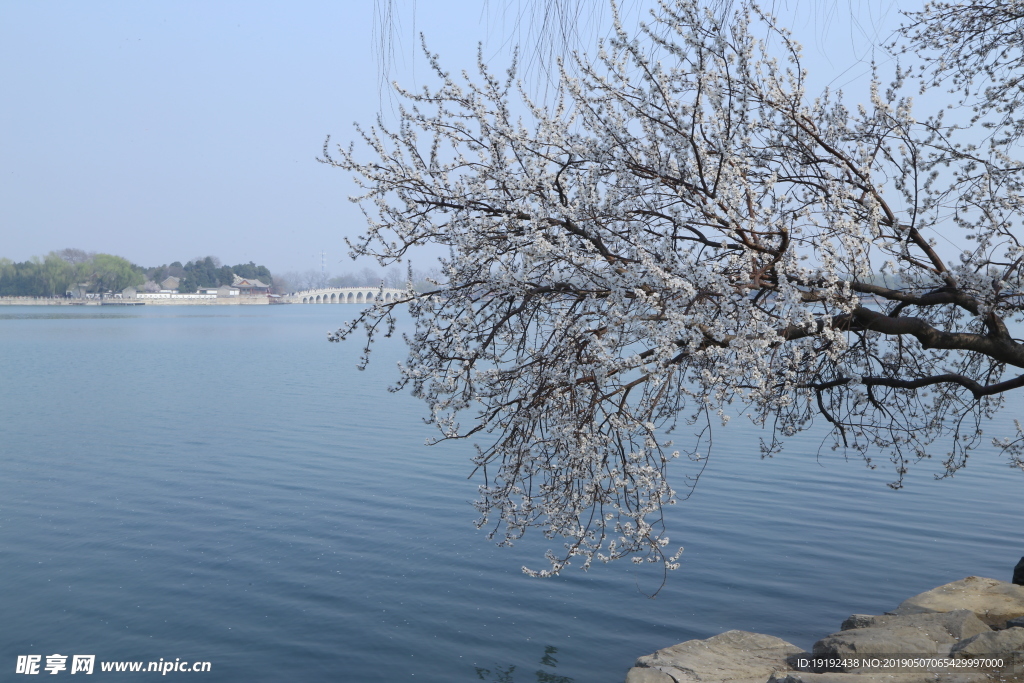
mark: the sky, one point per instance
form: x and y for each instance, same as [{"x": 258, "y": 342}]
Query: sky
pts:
[{"x": 162, "y": 131}]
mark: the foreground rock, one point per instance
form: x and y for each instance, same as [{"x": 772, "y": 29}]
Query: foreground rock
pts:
[
  {"x": 994, "y": 602},
  {"x": 735, "y": 656},
  {"x": 954, "y": 621},
  {"x": 912, "y": 634},
  {"x": 993, "y": 643}
]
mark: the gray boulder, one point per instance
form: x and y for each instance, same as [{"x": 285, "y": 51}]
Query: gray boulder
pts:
[
  {"x": 857, "y": 621},
  {"x": 911, "y": 634},
  {"x": 733, "y": 656},
  {"x": 992, "y": 644},
  {"x": 637, "y": 675},
  {"x": 994, "y": 602},
  {"x": 959, "y": 624}
]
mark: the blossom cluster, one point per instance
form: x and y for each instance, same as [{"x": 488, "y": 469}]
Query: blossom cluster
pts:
[{"x": 681, "y": 234}]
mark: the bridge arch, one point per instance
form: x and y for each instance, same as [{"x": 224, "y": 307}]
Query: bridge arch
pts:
[{"x": 342, "y": 295}]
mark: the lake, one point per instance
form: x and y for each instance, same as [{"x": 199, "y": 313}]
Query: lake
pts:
[{"x": 221, "y": 484}]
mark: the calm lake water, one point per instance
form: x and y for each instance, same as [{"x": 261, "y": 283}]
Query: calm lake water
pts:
[{"x": 221, "y": 484}]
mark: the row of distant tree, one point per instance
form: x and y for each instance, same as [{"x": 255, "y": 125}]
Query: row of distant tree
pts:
[
  {"x": 54, "y": 274},
  {"x": 66, "y": 269},
  {"x": 208, "y": 272},
  {"x": 61, "y": 271}
]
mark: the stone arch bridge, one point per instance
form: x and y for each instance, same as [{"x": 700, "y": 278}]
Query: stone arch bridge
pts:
[{"x": 343, "y": 295}]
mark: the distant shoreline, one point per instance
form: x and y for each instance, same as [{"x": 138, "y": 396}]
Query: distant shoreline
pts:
[
  {"x": 53, "y": 301},
  {"x": 328, "y": 295}
]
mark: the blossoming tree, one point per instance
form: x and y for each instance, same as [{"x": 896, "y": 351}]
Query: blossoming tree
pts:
[{"x": 685, "y": 234}]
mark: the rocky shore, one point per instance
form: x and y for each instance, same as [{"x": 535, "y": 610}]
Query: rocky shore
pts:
[{"x": 968, "y": 631}]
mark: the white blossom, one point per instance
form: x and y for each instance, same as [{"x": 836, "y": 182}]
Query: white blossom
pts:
[{"x": 686, "y": 234}]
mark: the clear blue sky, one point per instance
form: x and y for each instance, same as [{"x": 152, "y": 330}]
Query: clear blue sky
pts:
[{"x": 163, "y": 131}]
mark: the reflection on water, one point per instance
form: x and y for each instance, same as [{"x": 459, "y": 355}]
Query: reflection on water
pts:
[
  {"x": 505, "y": 675},
  {"x": 116, "y": 313}
]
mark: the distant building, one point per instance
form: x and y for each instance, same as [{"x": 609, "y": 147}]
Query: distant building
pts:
[
  {"x": 250, "y": 286},
  {"x": 170, "y": 283}
]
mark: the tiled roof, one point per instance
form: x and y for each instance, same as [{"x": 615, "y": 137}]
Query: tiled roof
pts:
[{"x": 245, "y": 283}]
